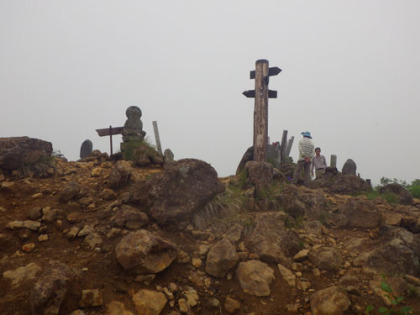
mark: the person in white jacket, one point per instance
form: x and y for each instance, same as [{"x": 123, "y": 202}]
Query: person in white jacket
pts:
[{"x": 306, "y": 153}]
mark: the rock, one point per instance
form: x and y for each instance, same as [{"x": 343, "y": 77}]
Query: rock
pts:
[
  {"x": 340, "y": 184},
  {"x": 130, "y": 218},
  {"x": 287, "y": 275},
  {"x": 19, "y": 152},
  {"x": 149, "y": 302},
  {"x": 107, "y": 194},
  {"x": 349, "y": 167},
  {"x": 392, "y": 218},
  {"x": 120, "y": 174},
  {"x": 326, "y": 258},
  {"x": 91, "y": 298},
  {"x": 70, "y": 192},
  {"x": 143, "y": 155},
  {"x": 361, "y": 213},
  {"x": 93, "y": 240},
  {"x": 192, "y": 297},
  {"x": 117, "y": 308},
  {"x": 183, "y": 306},
  {"x": 302, "y": 255},
  {"x": 176, "y": 194},
  {"x": 402, "y": 194},
  {"x": 22, "y": 274},
  {"x": 35, "y": 213},
  {"x": 51, "y": 289},
  {"x": 255, "y": 277},
  {"x": 221, "y": 258},
  {"x": 270, "y": 240},
  {"x": 259, "y": 175},
  {"x": 142, "y": 252},
  {"x": 330, "y": 301},
  {"x": 397, "y": 253},
  {"x": 231, "y": 305},
  {"x": 28, "y": 247},
  {"x": 86, "y": 149}
]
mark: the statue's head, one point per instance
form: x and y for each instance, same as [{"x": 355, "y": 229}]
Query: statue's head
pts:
[{"x": 133, "y": 112}]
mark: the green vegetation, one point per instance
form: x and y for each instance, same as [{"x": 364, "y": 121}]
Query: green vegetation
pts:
[
  {"x": 413, "y": 188},
  {"x": 396, "y": 306}
]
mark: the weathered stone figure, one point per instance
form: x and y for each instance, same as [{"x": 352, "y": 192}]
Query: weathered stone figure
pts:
[
  {"x": 133, "y": 127},
  {"x": 349, "y": 168},
  {"x": 86, "y": 149}
]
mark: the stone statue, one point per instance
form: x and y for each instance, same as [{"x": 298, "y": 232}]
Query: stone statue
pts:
[
  {"x": 86, "y": 149},
  {"x": 133, "y": 127}
]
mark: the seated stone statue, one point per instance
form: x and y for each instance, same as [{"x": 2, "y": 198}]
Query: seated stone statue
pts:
[{"x": 133, "y": 127}]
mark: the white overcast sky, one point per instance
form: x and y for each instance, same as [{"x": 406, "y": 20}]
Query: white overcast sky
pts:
[{"x": 351, "y": 74}]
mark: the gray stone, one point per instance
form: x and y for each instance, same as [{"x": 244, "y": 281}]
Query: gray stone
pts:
[
  {"x": 175, "y": 195},
  {"x": 142, "y": 252},
  {"x": 120, "y": 174},
  {"x": 255, "y": 277},
  {"x": 326, "y": 258},
  {"x": 330, "y": 301},
  {"x": 70, "y": 192},
  {"x": 221, "y": 258},
  {"x": 86, "y": 149},
  {"x": 51, "y": 289},
  {"x": 169, "y": 156},
  {"x": 19, "y": 152},
  {"x": 361, "y": 213},
  {"x": 349, "y": 168}
]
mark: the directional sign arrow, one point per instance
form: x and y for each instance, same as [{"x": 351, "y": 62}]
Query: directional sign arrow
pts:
[
  {"x": 272, "y": 94},
  {"x": 271, "y": 71},
  {"x": 249, "y": 93}
]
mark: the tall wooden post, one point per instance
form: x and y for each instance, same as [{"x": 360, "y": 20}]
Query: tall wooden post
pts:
[
  {"x": 156, "y": 130},
  {"x": 283, "y": 146},
  {"x": 261, "y": 111},
  {"x": 261, "y": 95}
]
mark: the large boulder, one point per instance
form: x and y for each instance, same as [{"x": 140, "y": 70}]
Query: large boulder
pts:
[
  {"x": 19, "y": 152},
  {"x": 397, "y": 252},
  {"x": 340, "y": 184},
  {"x": 175, "y": 195},
  {"x": 270, "y": 240},
  {"x": 402, "y": 194},
  {"x": 51, "y": 289},
  {"x": 358, "y": 213},
  {"x": 221, "y": 258},
  {"x": 300, "y": 201},
  {"x": 142, "y": 252}
]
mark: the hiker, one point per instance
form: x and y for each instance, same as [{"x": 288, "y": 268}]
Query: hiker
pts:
[
  {"x": 306, "y": 152},
  {"x": 318, "y": 163}
]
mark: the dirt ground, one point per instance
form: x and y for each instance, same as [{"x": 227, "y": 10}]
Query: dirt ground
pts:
[{"x": 100, "y": 269}]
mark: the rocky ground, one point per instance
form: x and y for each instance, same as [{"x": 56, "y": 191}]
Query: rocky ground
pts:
[{"x": 106, "y": 237}]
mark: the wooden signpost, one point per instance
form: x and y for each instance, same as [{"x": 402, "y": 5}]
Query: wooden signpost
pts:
[
  {"x": 261, "y": 94},
  {"x": 109, "y": 132}
]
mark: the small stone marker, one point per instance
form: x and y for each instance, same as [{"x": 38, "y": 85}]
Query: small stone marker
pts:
[
  {"x": 349, "y": 168},
  {"x": 333, "y": 161},
  {"x": 86, "y": 149}
]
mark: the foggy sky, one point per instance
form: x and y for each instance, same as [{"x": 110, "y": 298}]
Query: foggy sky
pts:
[{"x": 350, "y": 76}]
